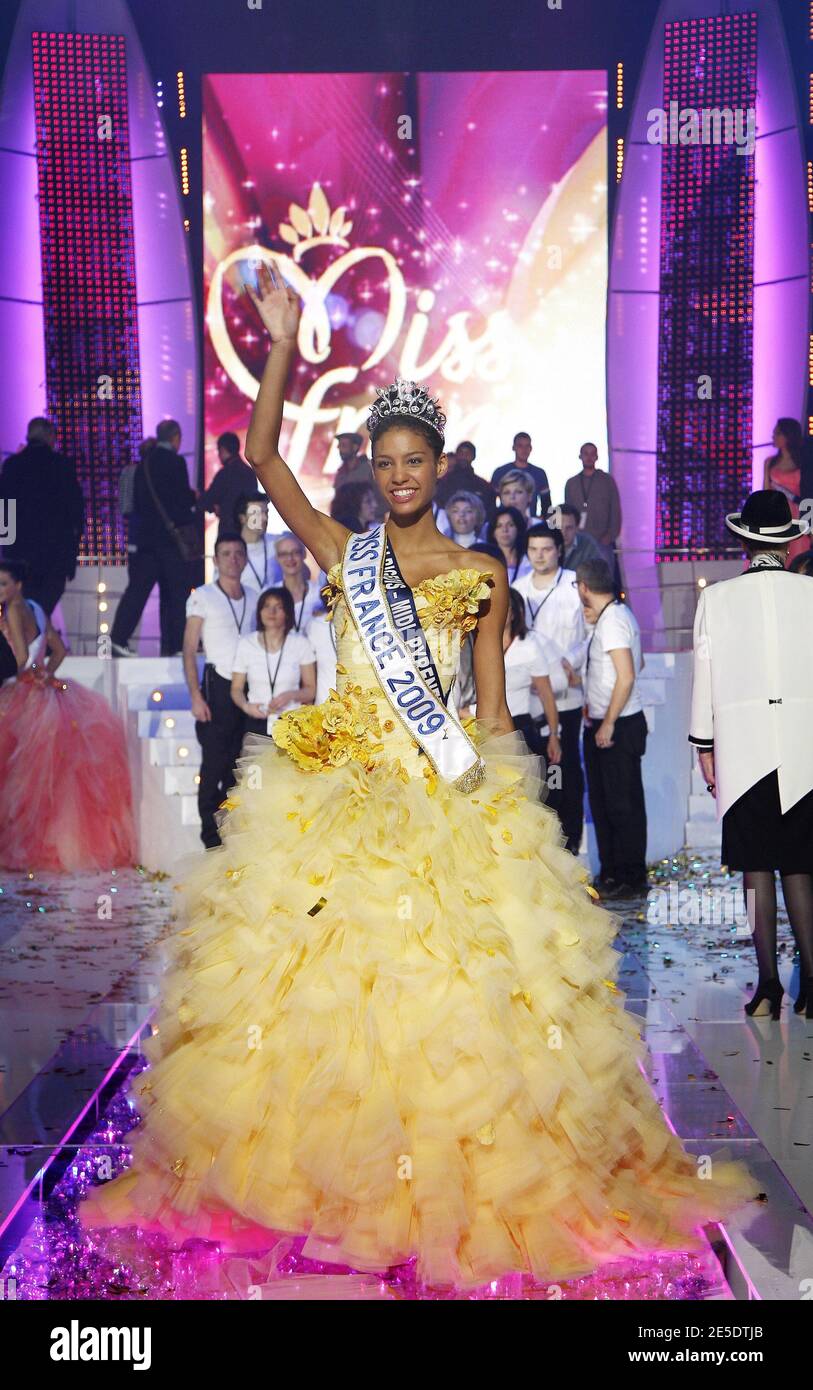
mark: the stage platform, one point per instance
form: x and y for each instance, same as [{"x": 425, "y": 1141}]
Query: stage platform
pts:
[{"x": 80, "y": 980}]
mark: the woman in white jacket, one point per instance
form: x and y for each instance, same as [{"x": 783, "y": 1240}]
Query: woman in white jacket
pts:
[{"x": 752, "y": 723}]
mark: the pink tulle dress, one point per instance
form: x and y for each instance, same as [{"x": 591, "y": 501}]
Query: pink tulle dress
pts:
[{"x": 65, "y": 797}]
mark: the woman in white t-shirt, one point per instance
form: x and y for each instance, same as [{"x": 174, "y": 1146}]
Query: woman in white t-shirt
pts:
[
  {"x": 305, "y": 592},
  {"x": 278, "y": 663},
  {"x": 527, "y": 669}
]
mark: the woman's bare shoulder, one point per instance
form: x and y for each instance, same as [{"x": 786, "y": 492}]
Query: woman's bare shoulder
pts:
[
  {"x": 19, "y": 613},
  {"x": 459, "y": 557}
]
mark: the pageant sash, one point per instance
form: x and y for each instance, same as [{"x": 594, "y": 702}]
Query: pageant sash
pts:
[{"x": 382, "y": 607}]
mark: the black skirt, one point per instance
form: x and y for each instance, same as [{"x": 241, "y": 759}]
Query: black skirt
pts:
[{"x": 757, "y": 836}]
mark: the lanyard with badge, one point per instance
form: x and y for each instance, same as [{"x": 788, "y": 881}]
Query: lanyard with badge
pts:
[
  {"x": 237, "y": 622},
  {"x": 298, "y": 621},
  {"x": 585, "y": 500},
  {"x": 272, "y": 680},
  {"x": 261, "y": 582},
  {"x": 541, "y": 605}
]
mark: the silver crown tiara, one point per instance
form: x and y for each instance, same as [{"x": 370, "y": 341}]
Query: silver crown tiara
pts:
[{"x": 405, "y": 398}]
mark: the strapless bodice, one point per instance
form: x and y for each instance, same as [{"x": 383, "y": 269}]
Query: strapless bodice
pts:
[{"x": 356, "y": 721}]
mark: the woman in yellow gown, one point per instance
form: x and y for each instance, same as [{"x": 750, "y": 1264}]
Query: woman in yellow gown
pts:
[{"x": 392, "y": 1023}]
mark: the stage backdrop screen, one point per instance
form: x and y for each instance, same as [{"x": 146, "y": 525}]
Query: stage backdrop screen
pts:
[{"x": 447, "y": 227}]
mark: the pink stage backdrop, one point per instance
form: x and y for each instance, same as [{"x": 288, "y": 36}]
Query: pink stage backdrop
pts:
[{"x": 450, "y": 227}]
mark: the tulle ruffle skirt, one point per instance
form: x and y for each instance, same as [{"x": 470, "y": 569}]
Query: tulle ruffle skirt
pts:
[
  {"x": 390, "y": 1022},
  {"x": 65, "y": 800}
]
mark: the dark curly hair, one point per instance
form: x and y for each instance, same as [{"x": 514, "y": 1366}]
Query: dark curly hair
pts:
[{"x": 409, "y": 422}]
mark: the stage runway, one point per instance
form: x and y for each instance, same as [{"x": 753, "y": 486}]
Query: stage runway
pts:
[{"x": 81, "y": 976}]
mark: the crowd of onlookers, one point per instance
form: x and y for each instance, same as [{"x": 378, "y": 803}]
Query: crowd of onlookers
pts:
[
  {"x": 497, "y": 511},
  {"x": 572, "y": 648},
  {"x": 269, "y": 646},
  {"x": 266, "y": 638}
]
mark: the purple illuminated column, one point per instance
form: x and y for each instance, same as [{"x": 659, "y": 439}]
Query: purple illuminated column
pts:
[
  {"x": 705, "y": 338},
  {"x": 88, "y": 265}
]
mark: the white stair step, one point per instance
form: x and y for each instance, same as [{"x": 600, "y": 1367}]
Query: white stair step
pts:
[
  {"x": 173, "y": 752},
  {"x": 165, "y": 723},
  {"x": 189, "y": 810},
  {"x": 170, "y": 842},
  {"x": 702, "y": 806},
  {"x": 159, "y": 670},
  {"x": 173, "y": 696},
  {"x": 181, "y": 780},
  {"x": 703, "y": 834}
]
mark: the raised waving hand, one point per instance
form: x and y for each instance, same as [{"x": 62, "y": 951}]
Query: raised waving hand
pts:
[
  {"x": 279, "y": 309},
  {"x": 277, "y": 305}
]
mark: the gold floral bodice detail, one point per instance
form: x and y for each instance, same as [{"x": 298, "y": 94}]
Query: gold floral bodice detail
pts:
[{"x": 356, "y": 722}]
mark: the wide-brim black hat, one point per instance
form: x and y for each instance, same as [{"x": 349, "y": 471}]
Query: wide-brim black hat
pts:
[{"x": 767, "y": 517}]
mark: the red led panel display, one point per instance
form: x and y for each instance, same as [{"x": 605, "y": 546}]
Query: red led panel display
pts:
[
  {"x": 88, "y": 266},
  {"x": 705, "y": 341}
]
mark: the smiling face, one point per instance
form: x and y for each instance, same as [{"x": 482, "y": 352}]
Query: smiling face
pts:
[
  {"x": 406, "y": 469},
  {"x": 291, "y": 557}
]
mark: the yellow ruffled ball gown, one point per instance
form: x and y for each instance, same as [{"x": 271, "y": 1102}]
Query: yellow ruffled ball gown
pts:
[{"x": 391, "y": 1019}]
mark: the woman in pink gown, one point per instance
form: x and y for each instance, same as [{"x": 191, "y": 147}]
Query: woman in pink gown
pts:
[
  {"x": 783, "y": 473},
  {"x": 65, "y": 798}
]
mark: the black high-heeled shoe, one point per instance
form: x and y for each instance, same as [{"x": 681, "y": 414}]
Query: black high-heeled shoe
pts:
[
  {"x": 769, "y": 993},
  {"x": 803, "y": 1004}
]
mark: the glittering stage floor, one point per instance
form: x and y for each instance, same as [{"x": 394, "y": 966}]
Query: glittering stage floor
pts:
[
  {"x": 57, "y": 1260},
  {"x": 78, "y": 983}
]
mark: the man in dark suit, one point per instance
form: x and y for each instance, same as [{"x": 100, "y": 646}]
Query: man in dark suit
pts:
[
  {"x": 230, "y": 483},
  {"x": 50, "y": 513},
  {"x": 154, "y": 557}
]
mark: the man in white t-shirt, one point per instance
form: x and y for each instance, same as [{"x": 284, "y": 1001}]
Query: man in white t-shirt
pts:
[
  {"x": 554, "y": 612},
  {"x": 262, "y": 566},
  {"x": 614, "y": 733},
  {"x": 217, "y": 615}
]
